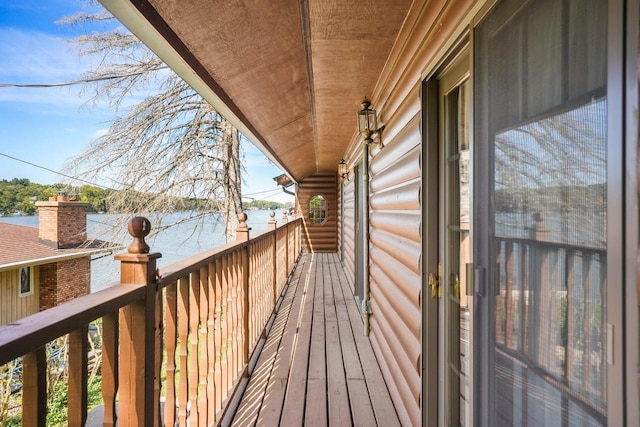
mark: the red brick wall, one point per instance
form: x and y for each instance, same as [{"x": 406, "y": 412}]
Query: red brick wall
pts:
[
  {"x": 64, "y": 281},
  {"x": 62, "y": 224}
]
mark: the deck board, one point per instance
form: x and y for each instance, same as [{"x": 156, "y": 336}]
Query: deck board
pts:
[{"x": 317, "y": 367}]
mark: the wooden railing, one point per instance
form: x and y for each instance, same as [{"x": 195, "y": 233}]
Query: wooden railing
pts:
[{"x": 191, "y": 327}]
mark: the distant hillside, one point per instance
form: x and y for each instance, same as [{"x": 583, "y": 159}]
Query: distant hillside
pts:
[{"x": 19, "y": 195}]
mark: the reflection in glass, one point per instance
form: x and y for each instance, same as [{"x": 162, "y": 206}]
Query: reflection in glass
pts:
[
  {"x": 551, "y": 173},
  {"x": 541, "y": 121},
  {"x": 550, "y": 216}
]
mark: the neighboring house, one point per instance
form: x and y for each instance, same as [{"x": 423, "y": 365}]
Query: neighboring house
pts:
[{"x": 45, "y": 266}]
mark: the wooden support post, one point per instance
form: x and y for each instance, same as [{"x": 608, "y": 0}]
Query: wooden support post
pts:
[
  {"x": 77, "y": 406},
  {"x": 242, "y": 235},
  {"x": 109, "y": 368},
  {"x": 34, "y": 388},
  {"x": 137, "y": 334}
]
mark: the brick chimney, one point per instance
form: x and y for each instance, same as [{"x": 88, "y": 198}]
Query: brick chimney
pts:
[{"x": 62, "y": 225}]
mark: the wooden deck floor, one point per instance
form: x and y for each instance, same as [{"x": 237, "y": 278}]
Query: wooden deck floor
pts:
[{"x": 317, "y": 367}]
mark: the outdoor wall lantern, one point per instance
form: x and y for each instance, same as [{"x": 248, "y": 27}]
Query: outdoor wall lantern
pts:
[
  {"x": 342, "y": 169},
  {"x": 368, "y": 123}
]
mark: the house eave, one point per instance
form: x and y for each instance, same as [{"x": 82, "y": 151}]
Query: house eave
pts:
[{"x": 57, "y": 258}]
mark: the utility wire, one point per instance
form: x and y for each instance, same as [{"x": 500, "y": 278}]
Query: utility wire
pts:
[
  {"x": 77, "y": 82},
  {"x": 56, "y": 172},
  {"x": 274, "y": 191},
  {"x": 262, "y": 192}
]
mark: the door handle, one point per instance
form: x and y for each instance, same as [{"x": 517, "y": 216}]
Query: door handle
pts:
[
  {"x": 434, "y": 283},
  {"x": 455, "y": 284}
]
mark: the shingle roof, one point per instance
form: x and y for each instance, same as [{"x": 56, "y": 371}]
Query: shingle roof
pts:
[{"x": 19, "y": 245}]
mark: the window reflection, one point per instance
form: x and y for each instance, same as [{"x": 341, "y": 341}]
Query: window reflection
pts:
[
  {"x": 550, "y": 178},
  {"x": 317, "y": 209},
  {"x": 550, "y": 241}
]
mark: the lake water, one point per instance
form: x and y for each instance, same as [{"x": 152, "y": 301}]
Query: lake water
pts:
[{"x": 175, "y": 243}]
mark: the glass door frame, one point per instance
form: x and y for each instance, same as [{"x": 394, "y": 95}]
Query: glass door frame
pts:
[
  {"x": 432, "y": 214},
  {"x": 622, "y": 371}
]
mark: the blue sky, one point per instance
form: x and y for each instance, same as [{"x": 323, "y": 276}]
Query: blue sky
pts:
[{"x": 46, "y": 126}]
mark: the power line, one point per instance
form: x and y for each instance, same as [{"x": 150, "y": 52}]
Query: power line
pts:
[
  {"x": 262, "y": 192},
  {"x": 56, "y": 172},
  {"x": 77, "y": 82}
]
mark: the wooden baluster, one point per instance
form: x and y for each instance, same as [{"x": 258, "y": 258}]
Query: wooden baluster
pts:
[
  {"x": 274, "y": 265},
  {"x": 194, "y": 320},
  {"x": 183, "y": 352},
  {"x": 77, "y": 381},
  {"x": 225, "y": 327},
  {"x": 109, "y": 367},
  {"x": 158, "y": 352},
  {"x": 211, "y": 343},
  {"x": 137, "y": 333},
  {"x": 203, "y": 340},
  {"x": 254, "y": 288},
  {"x": 170, "y": 341},
  {"x": 237, "y": 313},
  {"x": 218, "y": 335},
  {"x": 285, "y": 223},
  {"x": 34, "y": 388},
  {"x": 242, "y": 234}
]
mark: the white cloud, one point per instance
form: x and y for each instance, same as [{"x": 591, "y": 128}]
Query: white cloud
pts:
[{"x": 99, "y": 133}]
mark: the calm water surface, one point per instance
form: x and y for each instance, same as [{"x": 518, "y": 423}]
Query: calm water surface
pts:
[{"x": 175, "y": 243}]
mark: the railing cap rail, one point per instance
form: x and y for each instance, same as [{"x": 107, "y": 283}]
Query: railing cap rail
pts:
[{"x": 29, "y": 333}]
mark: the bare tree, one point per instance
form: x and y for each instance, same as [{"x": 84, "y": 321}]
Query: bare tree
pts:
[{"x": 169, "y": 152}]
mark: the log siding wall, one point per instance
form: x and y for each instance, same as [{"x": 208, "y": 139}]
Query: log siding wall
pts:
[
  {"x": 395, "y": 224},
  {"x": 319, "y": 237}
]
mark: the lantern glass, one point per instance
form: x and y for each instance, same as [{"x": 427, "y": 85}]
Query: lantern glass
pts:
[
  {"x": 367, "y": 120},
  {"x": 342, "y": 168}
]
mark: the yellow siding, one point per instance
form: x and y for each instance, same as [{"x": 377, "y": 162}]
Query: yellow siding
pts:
[{"x": 12, "y": 305}]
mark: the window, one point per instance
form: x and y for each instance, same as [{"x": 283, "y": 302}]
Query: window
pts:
[
  {"x": 541, "y": 118},
  {"x": 317, "y": 209},
  {"x": 26, "y": 281}
]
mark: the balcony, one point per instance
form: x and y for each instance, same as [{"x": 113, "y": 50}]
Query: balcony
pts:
[{"x": 250, "y": 331}]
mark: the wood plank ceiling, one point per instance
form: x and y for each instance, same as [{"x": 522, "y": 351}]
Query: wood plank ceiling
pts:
[{"x": 293, "y": 72}]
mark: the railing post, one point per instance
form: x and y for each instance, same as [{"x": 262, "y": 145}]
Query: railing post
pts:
[
  {"x": 242, "y": 235},
  {"x": 137, "y": 379}
]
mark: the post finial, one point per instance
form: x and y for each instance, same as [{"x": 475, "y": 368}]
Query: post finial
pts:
[
  {"x": 242, "y": 232},
  {"x": 272, "y": 221},
  {"x": 139, "y": 228},
  {"x": 242, "y": 218}
]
